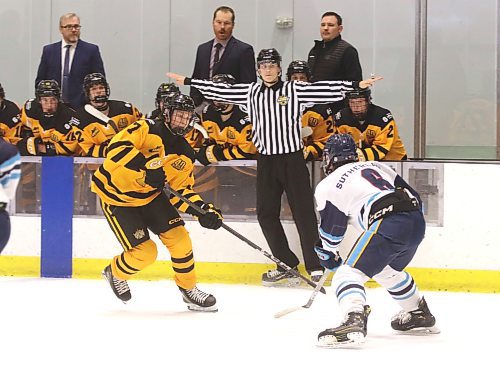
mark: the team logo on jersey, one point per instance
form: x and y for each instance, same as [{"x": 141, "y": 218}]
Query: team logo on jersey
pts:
[
  {"x": 179, "y": 164},
  {"x": 74, "y": 121},
  {"x": 94, "y": 132},
  {"x": 283, "y": 100},
  {"x": 139, "y": 234},
  {"x": 54, "y": 138},
  {"x": 231, "y": 135},
  {"x": 122, "y": 122},
  {"x": 370, "y": 136},
  {"x": 312, "y": 122}
]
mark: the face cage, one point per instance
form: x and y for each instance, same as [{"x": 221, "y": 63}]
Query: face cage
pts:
[
  {"x": 98, "y": 99},
  {"x": 177, "y": 130}
]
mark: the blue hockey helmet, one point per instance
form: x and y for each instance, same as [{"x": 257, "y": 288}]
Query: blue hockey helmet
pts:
[{"x": 339, "y": 148}]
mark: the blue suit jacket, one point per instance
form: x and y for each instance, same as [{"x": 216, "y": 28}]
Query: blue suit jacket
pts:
[
  {"x": 238, "y": 60},
  {"x": 87, "y": 59}
]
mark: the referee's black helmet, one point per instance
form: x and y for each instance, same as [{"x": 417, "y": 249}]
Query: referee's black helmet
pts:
[{"x": 269, "y": 56}]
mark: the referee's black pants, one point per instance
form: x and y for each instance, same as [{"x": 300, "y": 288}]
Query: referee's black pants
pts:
[{"x": 287, "y": 172}]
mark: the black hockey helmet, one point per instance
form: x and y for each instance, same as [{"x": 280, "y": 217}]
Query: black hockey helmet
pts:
[
  {"x": 298, "y": 66},
  {"x": 227, "y": 79},
  {"x": 94, "y": 79},
  {"x": 339, "y": 148},
  {"x": 269, "y": 56},
  {"x": 166, "y": 90},
  {"x": 179, "y": 102},
  {"x": 359, "y": 93},
  {"x": 224, "y": 78},
  {"x": 47, "y": 88}
]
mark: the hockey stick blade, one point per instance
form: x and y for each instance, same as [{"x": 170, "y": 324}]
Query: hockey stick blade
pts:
[
  {"x": 201, "y": 129},
  {"x": 99, "y": 115},
  {"x": 248, "y": 241},
  {"x": 286, "y": 311},
  {"x": 319, "y": 286}
]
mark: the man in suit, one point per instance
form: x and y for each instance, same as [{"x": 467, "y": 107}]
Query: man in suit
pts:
[
  {"x": 224, "y": 54},
  {"x": 69, "y": 61}
]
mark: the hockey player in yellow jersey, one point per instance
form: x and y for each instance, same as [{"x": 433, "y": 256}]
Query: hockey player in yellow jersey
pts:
[
  {"x": 372, "y": 127},
  {"x": 130, "y": 184},
  {"x": 96, "y": 133},
  {"x": 317, "y": 121},
  {"x": 10, "y": 119},
  {"x": 49, "y": 126},
  {"x": 165, "y": 90},
  {"x": 229, "y": 130}
]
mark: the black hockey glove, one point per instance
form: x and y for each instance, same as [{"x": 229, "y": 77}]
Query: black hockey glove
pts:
[
  {"x": 45, "y": 148},
  {"x": 155, "y": 178},
  {"x": 330, "y": 260},
  {"x": 212, "y": 219},
  {"x": 209, "y": 154}
]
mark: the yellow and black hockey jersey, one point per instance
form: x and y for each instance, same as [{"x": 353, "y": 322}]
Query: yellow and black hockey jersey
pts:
[
  {"x": 145, "y": 144},
  {"x": 57, "y": 131},
  {"x": 96, "y": 133},
  {"x": 10, "y": 121},
  {"x": 377, "y": 136},
  {"x": 233, "y": 136},
  {"x": 320, "y": 119}
]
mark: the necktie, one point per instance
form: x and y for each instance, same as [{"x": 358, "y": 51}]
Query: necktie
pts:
[
  {"x": 65, "y": 74},
  {"x": 217, "y": 52}
]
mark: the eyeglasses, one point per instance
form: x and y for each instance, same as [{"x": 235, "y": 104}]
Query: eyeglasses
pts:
[{"x": 72, "y": 27}]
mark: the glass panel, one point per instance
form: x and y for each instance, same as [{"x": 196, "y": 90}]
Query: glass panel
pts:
[{"x": 461, "y": 79}]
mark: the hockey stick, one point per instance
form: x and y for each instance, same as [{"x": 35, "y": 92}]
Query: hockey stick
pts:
[
  {"x": 321, "y": 282},
  {"x": 249, "y": 242},
  {"x": 98, "y": 114},
  {"x": 201, "y": 129}
]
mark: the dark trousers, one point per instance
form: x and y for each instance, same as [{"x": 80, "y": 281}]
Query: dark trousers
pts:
[{"x": 288, "y": 173}]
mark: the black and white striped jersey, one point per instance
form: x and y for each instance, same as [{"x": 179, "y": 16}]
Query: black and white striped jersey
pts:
[{"x": 275, "y": 111}]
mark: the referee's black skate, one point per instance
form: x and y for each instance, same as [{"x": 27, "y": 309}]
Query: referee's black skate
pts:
[
  {"x": 119, "y": 287},
  {"x": 280, "y": 278},
  {"x": 198, "y": 300},
  {"x": 419, "y": 321},
  {"x": 352, "y": 330}
]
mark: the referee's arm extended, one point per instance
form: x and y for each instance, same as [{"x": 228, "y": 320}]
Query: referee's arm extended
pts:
[{"x": 317, "y": 92}]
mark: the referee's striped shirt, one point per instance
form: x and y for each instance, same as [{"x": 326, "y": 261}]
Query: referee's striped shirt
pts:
[{"x": 275, "y": 112}]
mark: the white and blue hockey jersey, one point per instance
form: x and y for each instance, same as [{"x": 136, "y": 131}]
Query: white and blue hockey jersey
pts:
[
  {"x": 10, "y": 171},
  {"x": 346, "y": 195}
]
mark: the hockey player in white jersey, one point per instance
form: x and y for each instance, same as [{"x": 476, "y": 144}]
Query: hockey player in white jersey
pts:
[
  {"x": 387, "y": 212},
  {"x": 10, "y": 172}
]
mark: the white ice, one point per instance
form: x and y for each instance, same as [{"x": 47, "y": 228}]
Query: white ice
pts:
[{"x": 79, "y": 324}]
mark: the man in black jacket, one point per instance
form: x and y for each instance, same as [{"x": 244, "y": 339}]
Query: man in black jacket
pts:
[{"x": 333, "y": 59}]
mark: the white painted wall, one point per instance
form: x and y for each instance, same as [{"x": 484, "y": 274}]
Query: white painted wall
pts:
[{"x": 469, "y": 238}]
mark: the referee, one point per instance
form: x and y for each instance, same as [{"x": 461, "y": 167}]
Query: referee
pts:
[{"x": 275, "y": 108}]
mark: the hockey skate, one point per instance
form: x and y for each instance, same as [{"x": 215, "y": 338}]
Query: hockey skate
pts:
[
  {"x": 351, "y": 332},
  {"x": 276, "y": 277},
  {"x": 198, "y": 300},
  {"x": 119, "y": 287},
  {"x": 419, "y": 321}
]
